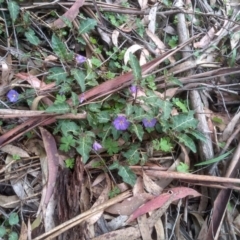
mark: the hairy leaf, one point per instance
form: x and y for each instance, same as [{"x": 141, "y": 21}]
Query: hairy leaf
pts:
[
  {"x": 85, "y": 146},
  {"x": 137, "y": 73},
  {"x": 187, "y": 141},
  {"x": 13, "y": 10},
  {"x": 31, "y": 37},
  {"x": 87, "y": 25},
  {"x": 58, "y": 108},
  {"x": 59, "y": 47},
  {"x": 132, "y": 156},
  {"x": 57, "y": 74},
  {"x": 80, "y": 78},
  {"x": 138, "y": 130},
  {"x": 127, "y": 175},
  {"x": 184, "y": 121}
]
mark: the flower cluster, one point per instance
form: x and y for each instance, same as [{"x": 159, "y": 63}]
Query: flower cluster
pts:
[
  {"x": 13, "y": 96},
  {"x": 121, "y": 123}
]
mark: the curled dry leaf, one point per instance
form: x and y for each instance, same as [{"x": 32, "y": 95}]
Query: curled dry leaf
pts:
[
  {"x": 132, "y": 49},
  {"x": 150, "y": 185},
  {"x": 144, "y": 56},
  {"x": 115, "y": 35}
]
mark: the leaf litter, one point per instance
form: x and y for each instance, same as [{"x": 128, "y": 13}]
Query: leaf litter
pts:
[{"x": 119, "y": 120}]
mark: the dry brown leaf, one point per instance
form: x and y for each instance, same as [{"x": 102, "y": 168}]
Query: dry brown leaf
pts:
[
  {"x": 173, "y": 194},
  {"x": 144, "y": 56},
  {"x": 151, "y": 186},
  {"x": 102, "y": 198},
  {"x": 204, "y": 42},
  {"x": 9, "y": 201},
  {"x": 24, "y": 232},
  {"x": 129, "y": 205},
  {"x": 230, "y": 127},
  {"x": 143, "y": 3},
  {"x": 70, "y": 14},
  {"x": 144, "y": 228},
  {"x": 152, "y": 18},
  {"x": 115, "y": 35},
  {"x": 53, "y": 162}
]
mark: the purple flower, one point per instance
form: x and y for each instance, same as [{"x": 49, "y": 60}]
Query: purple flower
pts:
[
  {"x": 97, "y": 146},
  {"x": 80, "y": 59},
  {"x": 133, "y": 89},
  {"x": 149, "y": 123},
  {"x": 12, "y": 96},
  {"x": 121, "y": 123},
  {"x": 81, "y": 98}
]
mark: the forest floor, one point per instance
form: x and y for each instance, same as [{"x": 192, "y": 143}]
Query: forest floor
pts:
[{"x": 119, "y": 119}]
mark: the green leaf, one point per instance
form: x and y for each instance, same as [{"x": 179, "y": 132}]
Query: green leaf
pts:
[
  {"x": 87, "y": 25},
  {"x": 69, "y": 163},
  {"x": 79, "y": 77},
  {"x": 68, "y": 126},
  {"x": 198, "y": 135},
  {"x": 60, "y": 48},
  {"x": 136, "y": 69},
  {"x": 165, "y": 144},
  {"x": 13, "y": 10},
  {"x": 183, "y": 168},
  {"x": 31, "y": 37},
  {"x": 96, "y": 62},
  {"x": 113, "y": 166},
  {"x": 166, "y": 107},
  {"x": 75, "y": 100},
  {"x": 111, "y": 146},
  {"x": 184, "y": 121},
  {"x": 85, "y": 146},
  {"x": 174, "y": 80},
  {"x": 127, "y": 175},
  {"x": 138, "y": 130},
  {"x": 128, "y": 109},
  {"x": 103, "y": 117},
  {"x": 132, "y": 156},
  {"x": 180, "y": 104},
  {"x": 67, "y": 142},
  {"x": 217, "y": 120},
  {"x": 57, "y": 74},
  {"x": 187, "y": 141},
  {"x": 58, "y": 108},
  {"x": 13, "y": 236},
  {"x": 139, "y": 113},
  {"x": 13, "y": 219},
  {"x": 213, "y": 160},
  {"x": 2, "y": 231},
  {"x": 60, "y": 99}
]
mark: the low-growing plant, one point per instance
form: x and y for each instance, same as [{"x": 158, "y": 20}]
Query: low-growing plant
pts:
[{"x": 6, "y": 228}]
